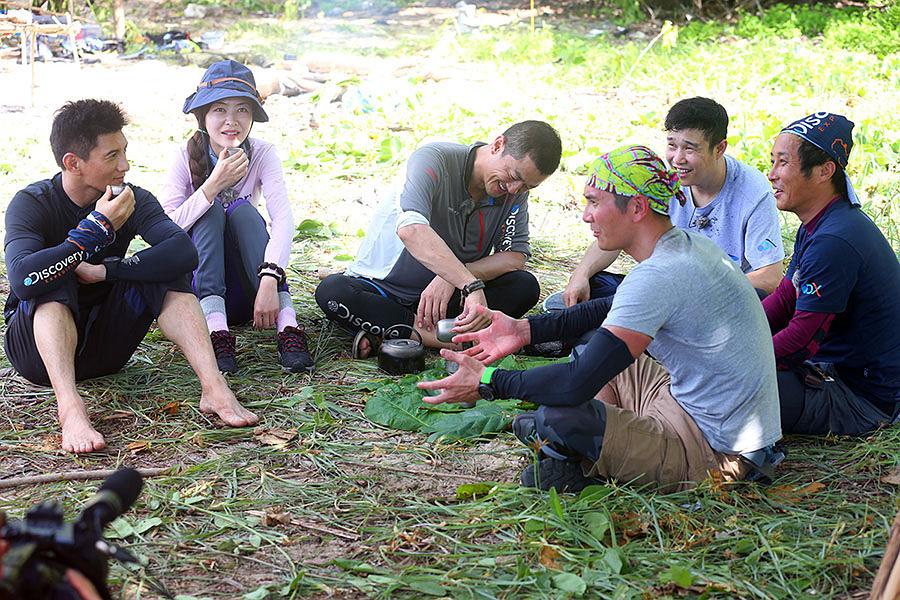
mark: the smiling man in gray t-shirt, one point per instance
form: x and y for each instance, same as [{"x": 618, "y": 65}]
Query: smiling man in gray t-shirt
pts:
[{"x": 449, "y": 235}]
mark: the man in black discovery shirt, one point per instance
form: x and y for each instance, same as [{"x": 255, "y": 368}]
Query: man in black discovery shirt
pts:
[{"x": 77, "y": 307}]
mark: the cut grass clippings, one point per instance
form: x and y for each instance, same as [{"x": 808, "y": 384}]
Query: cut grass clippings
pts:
[{"x": 321, "y": 501}]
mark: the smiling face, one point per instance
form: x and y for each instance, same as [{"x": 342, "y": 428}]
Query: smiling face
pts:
[
  {"x": 106, "y": 164},
  {"x": 789, "y": 184},
  {"x": 499, "y": 174},
  {"x": 228, "y": 123},
  {"x": 689, "y": 153}
]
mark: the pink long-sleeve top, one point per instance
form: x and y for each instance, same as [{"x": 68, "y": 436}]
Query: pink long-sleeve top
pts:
[{"x": 265, "y": 178}]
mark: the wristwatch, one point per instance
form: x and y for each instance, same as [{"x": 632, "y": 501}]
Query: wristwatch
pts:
[
  {"x": 472, "y": 287},
  {"x": 112, "y": 267},
  {"x": 485, "y": 390}
]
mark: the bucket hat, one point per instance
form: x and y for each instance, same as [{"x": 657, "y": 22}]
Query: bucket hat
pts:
[{"x": 226, "y": 79}]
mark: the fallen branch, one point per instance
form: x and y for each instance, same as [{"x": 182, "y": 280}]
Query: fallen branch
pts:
[{"x": 74, "y": 476}]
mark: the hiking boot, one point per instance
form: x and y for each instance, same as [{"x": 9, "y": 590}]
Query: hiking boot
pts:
[
  {"x": 223, "y": 345},
  {"x": 525, "y": 429},
  {"x": 565, "y": 476},
  {"x": 293, "y": 350}
]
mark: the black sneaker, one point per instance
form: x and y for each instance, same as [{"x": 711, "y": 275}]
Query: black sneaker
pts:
[
  {"x": 223, "y": 345},
  {"x": 565, "y": 476},
  {"x": 293, "y": 350}
]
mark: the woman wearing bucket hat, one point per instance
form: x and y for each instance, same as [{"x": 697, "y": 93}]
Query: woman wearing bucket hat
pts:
[{"x": 212, "y": 192}]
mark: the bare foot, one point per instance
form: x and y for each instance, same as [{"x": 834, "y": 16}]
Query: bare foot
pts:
[
  {"x": 77, "y": 434},
  {"x": 226, "y": 406},
  {"x": 364, "y": 348}
]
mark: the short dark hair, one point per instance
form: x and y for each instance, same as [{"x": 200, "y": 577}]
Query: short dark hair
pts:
[
  {"x": 813, "y": 156},
  {"x": 79, "y": 123},
  {"x": 704, "y": 114},
  {"x": 537, "y": 140},
  {"x": 622, "y": 202}
]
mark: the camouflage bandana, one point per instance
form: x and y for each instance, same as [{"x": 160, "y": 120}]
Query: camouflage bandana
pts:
[{"x": 637, "y": 171}]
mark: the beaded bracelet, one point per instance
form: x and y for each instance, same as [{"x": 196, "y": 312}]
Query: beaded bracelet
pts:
[{"x": 268, "y": 269}]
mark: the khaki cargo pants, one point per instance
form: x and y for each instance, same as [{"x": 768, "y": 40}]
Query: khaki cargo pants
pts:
[{"x": 650, "y": 439}]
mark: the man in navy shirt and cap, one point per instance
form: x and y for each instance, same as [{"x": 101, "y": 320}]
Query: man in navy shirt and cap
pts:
[{"x": 836, "y": 328}]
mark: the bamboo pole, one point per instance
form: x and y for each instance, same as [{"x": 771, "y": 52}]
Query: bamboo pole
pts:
[
  {"x": 69, "y": 21},
  {"x": 532, "y": 17},
  {"x": 33, "y": 36},
  {"x": 887, "y": 581},
  {"x": 119, "y": 14}
]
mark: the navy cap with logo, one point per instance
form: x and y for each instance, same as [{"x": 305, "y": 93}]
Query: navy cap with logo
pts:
[
  {"x": 832, "y": 134},
  {"x": 226, "y": 79}
]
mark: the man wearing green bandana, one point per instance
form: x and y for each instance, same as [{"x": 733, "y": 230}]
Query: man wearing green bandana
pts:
[{"x": 706, "y": 401}]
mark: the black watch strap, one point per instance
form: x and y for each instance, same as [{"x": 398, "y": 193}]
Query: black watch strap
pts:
[
  {"x": 112, "y": 267},
  {"x": 486, "y": 391},
  {"x": 472, "y": 287}
]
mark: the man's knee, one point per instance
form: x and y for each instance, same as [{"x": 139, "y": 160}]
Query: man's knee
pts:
[
  {"x": 331, "y": 294},
  {"x": 51, "y": 314},
  {"x": 529, "y": 286},
  {"x": 46, "y": 321},
  {"x": 177, "y": 300},
  {"x": 605, "y": 284},
  {"x": 522, "y": 290},
  {"x": 573, "y": 429}
]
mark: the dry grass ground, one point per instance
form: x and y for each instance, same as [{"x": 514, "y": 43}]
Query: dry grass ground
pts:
[{"x": 344, "y": 508}]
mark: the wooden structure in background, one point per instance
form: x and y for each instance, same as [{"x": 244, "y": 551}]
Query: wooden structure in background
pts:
[
  {"x": 21, "y": 22},
  {"x": 887, "y": 582}
]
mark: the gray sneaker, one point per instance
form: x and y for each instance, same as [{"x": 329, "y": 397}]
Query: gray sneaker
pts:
[{"x": 554, "y": 302}]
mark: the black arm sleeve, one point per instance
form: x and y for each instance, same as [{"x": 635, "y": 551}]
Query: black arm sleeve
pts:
[
  {"x": 171, "y": 253},
  {"x": 569, "y": 323},
  {"x": 32, "y": 268},
  {"x": 569, "y": 384}
]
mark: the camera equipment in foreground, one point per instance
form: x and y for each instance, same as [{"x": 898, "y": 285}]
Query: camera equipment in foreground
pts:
[{"x": 42, "y": 547}]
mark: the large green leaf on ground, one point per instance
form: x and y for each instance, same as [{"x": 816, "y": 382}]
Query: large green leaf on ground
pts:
[
  {"x": 484, "y": 417},
  {"x": 399, "y": 405}
]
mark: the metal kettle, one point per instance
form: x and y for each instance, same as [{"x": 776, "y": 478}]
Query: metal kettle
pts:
[{"x": 399, "y": 356}]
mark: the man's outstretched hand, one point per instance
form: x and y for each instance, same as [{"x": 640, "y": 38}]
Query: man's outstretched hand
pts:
[
  {"x": 462, "y": 386},
  {"x": 504, "y": 336}
]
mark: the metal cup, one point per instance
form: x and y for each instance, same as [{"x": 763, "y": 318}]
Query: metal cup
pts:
[
  {"x": 443, "y": 335},
  {"x": 117, "y": 189},
  {"x": 232, "y": 151},
  {"x": 443, "y": 330}
]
